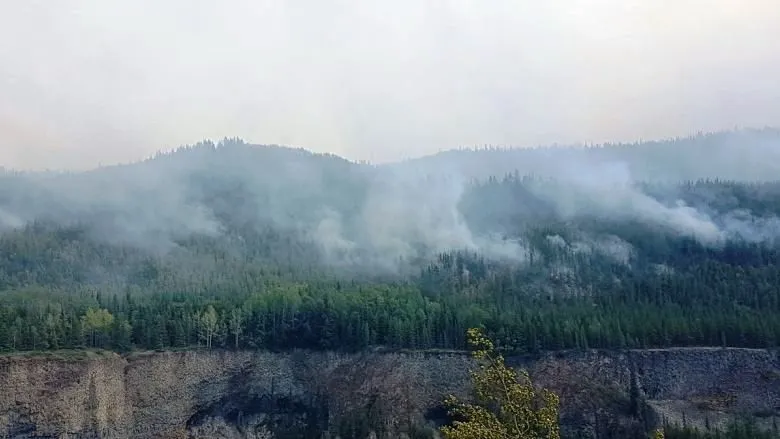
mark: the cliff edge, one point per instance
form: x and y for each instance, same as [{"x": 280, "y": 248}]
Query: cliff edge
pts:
[{"x": 255, "y": 394}]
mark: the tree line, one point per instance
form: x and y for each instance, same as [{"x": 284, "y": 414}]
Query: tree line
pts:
[
  {"x": 712, "y": 304},
  {"x": 585, "y": 282}
]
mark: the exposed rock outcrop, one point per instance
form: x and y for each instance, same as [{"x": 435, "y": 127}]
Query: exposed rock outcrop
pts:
[{"x": 223, "y": 394}]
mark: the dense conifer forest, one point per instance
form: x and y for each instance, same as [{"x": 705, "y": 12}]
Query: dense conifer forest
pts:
[
  {"x": 236, "y": 246},
  {"x": 735, "y": 430}
]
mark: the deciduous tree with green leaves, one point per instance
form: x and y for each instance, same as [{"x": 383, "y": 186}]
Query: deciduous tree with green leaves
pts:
[
  {"x": 236, "y": 324},
  {"x": 506, "y": 403},
  {"x": 96, "y": 324},
  {"x": 209, "y": 321}
]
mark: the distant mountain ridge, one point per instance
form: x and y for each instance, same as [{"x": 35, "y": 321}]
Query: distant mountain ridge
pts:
[
  {"x": 751, "y": 154},
  {"x": 433, "y": 201},
  {"x": 744, "y": 155}
]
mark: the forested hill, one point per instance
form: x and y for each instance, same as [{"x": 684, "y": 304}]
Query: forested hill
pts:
[
  {"x": 233, "y": 245},
  {"x": 745, "y": 155}
]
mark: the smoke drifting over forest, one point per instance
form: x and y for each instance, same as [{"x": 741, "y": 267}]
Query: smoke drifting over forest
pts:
[{"x": 386, "y": 217}]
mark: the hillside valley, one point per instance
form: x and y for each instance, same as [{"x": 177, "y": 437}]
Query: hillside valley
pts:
[{"x": 232, "y": 288}]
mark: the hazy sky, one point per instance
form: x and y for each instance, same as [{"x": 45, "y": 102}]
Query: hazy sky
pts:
[{"x": 84, "y": 82}]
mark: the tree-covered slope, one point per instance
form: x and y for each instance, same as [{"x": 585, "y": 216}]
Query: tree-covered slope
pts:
[{"x": 265, "y": 246}]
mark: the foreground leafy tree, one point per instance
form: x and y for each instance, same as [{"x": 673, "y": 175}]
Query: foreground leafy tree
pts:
[{"x": 507, "y": 405}]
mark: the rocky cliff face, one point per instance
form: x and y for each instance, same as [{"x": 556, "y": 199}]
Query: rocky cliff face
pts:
[{"x": 308, "y": 394}]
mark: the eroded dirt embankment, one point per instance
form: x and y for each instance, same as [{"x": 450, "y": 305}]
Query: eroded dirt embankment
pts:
[{"x": 297, "y": 394}]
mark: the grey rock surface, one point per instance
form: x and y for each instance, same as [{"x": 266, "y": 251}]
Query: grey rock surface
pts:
[{"x": 257, "y": 394}]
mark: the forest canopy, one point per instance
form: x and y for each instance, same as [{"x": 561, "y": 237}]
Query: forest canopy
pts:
[{"x": 232, "y": 245}]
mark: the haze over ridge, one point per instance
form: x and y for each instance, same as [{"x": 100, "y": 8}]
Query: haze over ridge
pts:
[
  {"x": 108, "y": 82},
  {"x": 390, "y": 217}
]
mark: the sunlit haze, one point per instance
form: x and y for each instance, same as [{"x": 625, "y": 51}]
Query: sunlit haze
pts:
[{"x": 90, "y": 82}]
